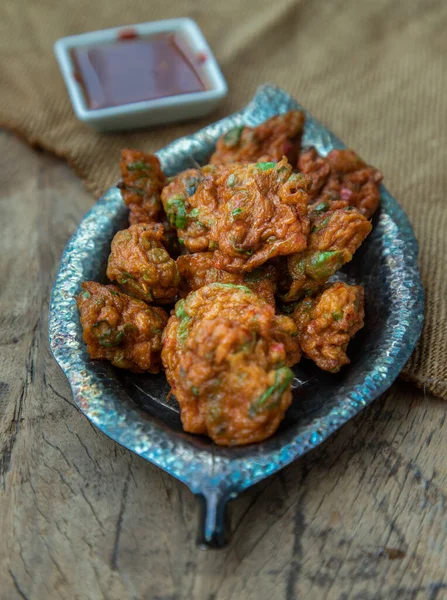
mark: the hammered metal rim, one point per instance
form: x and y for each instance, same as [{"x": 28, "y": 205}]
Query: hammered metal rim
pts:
[{"x": 103, "y": 400}]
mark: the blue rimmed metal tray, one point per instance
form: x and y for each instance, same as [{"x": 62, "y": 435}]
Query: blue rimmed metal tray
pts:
[{"x": 132, "y": 409}]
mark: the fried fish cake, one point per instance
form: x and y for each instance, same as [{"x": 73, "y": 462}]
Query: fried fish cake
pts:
[
  {"x": 334, "y": 238},
  {"x": 121, "y": 329},
  {"x": 141, "y": 185},
  {"x": 327, "y": 322},
  {"x": 341, "y": 179},
  {"x": 262, "y": 214},
  {"x": 189, "y": 201},
  {"x": 199, "y": 269},
  {"x": 317, "y": 168},
  {"x": 142, "y": 266},
  {"x": 263, "y": 281},
  {"x": 279, "y": 136},
  {"x": 225, "y": 353},
  {"x": 248, "y": 214}
]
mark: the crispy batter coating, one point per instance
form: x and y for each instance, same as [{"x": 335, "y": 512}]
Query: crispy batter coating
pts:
[
  {"x": 184, "y": 184},
  {"x": 262, "y": 214},
  {"x": 121, "y": 329},
  {"x": 141, "y": 185},
  {"x": 199, "y": 269},
  {"x": 225, "y": 351},
  {"x": 279, "y": 136},
  {"x": 263, "y": 281},
  {"x": 317, "y": 168},
  {"x": 341, "y": 179},
  {"x": 248, "y": 214},
  {"x": 327, "y": 322},
  {"x": 142, "y": 266},
  {"x": 335, "y": 236},
  {"x": 183, "y": 198}
]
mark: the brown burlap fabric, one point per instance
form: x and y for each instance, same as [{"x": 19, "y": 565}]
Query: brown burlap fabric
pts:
[{"x": 375, "y": 72}]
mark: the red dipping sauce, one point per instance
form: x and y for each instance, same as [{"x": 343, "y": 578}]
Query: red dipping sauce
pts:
[{"x": 134, "y": 69}]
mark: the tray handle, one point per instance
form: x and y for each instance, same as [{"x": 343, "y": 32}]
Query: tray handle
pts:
[{"x": 214, "y": 522}]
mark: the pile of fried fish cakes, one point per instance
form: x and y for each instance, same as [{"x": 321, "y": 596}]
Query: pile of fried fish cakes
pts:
[{"x": 223, "y": 277}]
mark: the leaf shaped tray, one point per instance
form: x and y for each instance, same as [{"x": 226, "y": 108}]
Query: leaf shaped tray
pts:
[{"x": 132, "y": 409}]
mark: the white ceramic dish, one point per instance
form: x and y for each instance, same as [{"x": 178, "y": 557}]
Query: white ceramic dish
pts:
[{"x": 150, "y": 112}]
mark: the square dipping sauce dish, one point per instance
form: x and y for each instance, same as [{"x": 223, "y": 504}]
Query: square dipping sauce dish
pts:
[{"x": 140, "y": 75}]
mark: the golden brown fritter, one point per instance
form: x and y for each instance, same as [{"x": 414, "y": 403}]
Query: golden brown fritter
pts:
[
  {"x": 142, "y": 266},
  {"x": 190, "y": 206},
  {"x": 279, "y": 136},
  {"x": 121, "y": 329},
  {"x": 248, "y": 214},
  {"x": 141, "y": 185},
  {"x": 225, "y": 351},
  {"x": 184, "y": 184},
  {"x": 199, "y": 269},
  {"x": 317, "y": 168},
  {"x": 341, "y": 179},
  {"x": 263, "y": 281},
  {"x": 335, "y": 236},
  {"x": 327, "y": 322},
  {"x": 262, "y": 214}
]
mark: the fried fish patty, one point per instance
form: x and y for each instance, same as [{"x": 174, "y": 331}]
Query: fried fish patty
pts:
[
  {"x": 327, "y": 322},
  {"x": 279, "y": 136},
  {"x": 121, "y": 329},
  {"x": 248, "y": 214},
  {"x": 334, "y": 237},
  {"x": 140, "y": 263},
  {"x": 141, "y": 185},
  {"x": 199, "y": 269},
  {"x": 225, "y": 353},
  {"x": 341, "y": 179}
]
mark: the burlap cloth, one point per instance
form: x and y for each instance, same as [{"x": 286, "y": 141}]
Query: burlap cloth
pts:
[{"x": 375, "y": 72}]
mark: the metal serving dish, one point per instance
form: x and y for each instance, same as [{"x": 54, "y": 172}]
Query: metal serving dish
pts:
[{"x": 132, "y": 409}]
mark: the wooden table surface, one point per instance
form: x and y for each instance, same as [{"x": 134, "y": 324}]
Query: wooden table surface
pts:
[{"x": 362, "y": 517}]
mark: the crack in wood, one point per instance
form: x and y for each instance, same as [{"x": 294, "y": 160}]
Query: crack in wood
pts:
[
  {"x": 14, "y": 426},
  {"x": 17, "y": 585},
  {"x": 55, "y": 447},
  {"x": 56, "y": 393},
  {"x": 298, "y": 532},
  {"x": 119, "y": 524}
]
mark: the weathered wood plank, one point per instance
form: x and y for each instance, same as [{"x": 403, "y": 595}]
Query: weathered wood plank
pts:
[{"x": 363, "y": 517}]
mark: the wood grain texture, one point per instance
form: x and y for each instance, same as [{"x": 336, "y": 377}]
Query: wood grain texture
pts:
[{"x": 363, "y": 517}]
